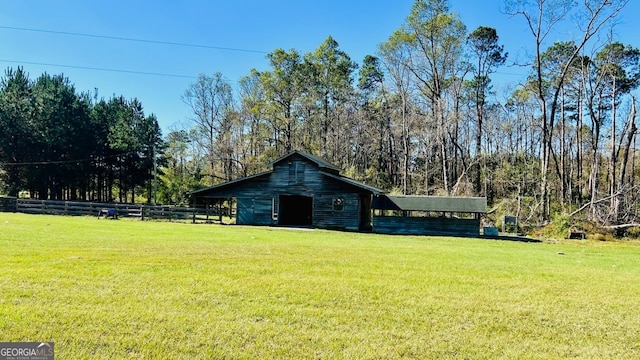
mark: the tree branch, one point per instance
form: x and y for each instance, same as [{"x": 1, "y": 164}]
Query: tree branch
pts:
[
  {"x": 622, "y": 226},
  {"x": 593, "y": 203}
]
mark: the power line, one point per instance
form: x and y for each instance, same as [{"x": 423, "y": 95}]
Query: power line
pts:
[
  {"x": 132, "y": 39},
  {"x": 99, "y": 69},
  {"x": 58, "y": 162},
  {"x": 44, "y": 162}
]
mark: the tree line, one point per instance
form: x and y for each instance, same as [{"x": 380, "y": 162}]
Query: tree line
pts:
[
  {"x": 59, "y": 144},
  {"x": 422, "y": 115}
]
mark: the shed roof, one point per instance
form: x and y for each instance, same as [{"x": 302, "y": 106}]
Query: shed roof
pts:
[
  {"x": 203, "y": 191},
  {"x": 352, "y": 182},
  {"x": 431, "y": 203}
]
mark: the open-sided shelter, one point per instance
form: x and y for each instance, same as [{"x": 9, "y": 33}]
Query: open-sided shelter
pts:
[
  {"x": 428, "y": 215},
  {"x": 300, "y": 190}
]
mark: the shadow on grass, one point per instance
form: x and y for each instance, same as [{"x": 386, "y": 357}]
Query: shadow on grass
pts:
[{"x": 511, "y": 238}]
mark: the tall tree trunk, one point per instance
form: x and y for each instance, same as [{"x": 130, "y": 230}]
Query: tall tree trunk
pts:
[
  {"x": 478, "y": 173},
  {"x": 440, "y": 116},
  {"x": 613, "y": 188},
  {"x": 405, "y": 147},
  {"x": 631, "y": 134},
  {"x": 444, "y": 159},
  {"x": 579, "y": 150},
  {"x": 563, "y": 179},
  {"x": 544, "y": 164}
]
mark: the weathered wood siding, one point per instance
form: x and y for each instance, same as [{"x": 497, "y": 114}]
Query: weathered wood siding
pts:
[
  {"x": 296, "y": 177},
  {"x": 252, "y": 211},
  {"x": 326, "y": 217},
  {"x": 426, "y": 226}
]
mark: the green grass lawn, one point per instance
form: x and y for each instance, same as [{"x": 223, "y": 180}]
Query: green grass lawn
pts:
[{"x": 124, "y": 289}]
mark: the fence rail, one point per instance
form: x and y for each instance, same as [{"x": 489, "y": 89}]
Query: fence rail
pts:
[{"x": 85, "y": 208}]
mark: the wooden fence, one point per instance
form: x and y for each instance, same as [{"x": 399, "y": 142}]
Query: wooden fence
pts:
[
  {"x": 7, "y": 204},
  {"x": 83, "y": 208}
]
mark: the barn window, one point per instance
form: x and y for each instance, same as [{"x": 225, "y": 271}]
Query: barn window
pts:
[
  {"x": 338, "y": 204},
  {"x": 296, "y": 173}
]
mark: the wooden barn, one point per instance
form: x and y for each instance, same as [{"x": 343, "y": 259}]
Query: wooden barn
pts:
[
  {"x": 304, "y": 190},
  {"x": 300, "y": 190},
  {"x": 428, "y": 215}
]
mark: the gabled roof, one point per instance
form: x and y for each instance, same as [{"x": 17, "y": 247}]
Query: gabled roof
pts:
[
  {"x": 321, "y": 163},
  {"x": 229, "y": 183},
  {"x": 352, "y": 182},
  {"x": 330, "y": 171},
  {"x": 431, "y": 203}
]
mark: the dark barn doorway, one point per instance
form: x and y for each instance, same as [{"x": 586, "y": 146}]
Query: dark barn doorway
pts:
[
  {"x": 295, "y": 210},
  {"x": 365, "y": 213}
]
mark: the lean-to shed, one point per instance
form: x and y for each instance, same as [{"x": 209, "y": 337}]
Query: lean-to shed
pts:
[{"x": 428, "y": 215}]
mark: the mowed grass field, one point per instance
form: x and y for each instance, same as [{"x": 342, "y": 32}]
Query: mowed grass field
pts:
[{"x": 123, "y": 289}]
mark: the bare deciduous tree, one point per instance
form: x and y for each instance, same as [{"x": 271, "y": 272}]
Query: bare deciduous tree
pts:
[{"x": 542, "y": 17}]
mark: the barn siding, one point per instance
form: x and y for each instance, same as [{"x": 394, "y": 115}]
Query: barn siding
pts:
[
  {"x": 244, "y": 211},
  {"x": 426, "y": 226},
  {"x": 253, "y": 211},
  {"x": 325, "y": 217}
]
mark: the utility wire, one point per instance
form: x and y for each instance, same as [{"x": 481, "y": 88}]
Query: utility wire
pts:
[
  {"x": 98, "y": 69},
  {"x": 44, "y": 162},
  {"x": 58, "y": 162},
  {"x": 137, "y": 40},
  {"x": 132, "y": 39}
]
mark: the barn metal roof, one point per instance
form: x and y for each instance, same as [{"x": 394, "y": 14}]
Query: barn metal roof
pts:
[
  {"x": 352, "y": 182},
  {"x": 318, "y": 161},
  {"x": 228, "y": 183},
  {"x": 430, "y": 203},
  {"x": 330, "y": 170},
  {"x": 212, "y": 189}
]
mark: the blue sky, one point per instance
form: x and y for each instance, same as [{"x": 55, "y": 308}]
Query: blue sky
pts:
[{"x": 236, "y": 35}]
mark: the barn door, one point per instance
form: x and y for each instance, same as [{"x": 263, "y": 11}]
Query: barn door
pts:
[{"x": 295, "y": 210}]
